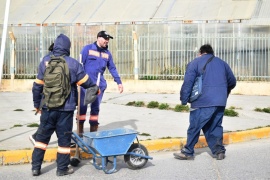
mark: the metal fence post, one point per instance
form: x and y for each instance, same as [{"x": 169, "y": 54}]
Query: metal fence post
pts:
[
  {"x": 135, "y": 45},
  {"x": 12, "y": 58}
]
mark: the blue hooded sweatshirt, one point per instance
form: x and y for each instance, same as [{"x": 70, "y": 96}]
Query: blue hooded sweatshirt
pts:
[{"x": 77, "y": 75}]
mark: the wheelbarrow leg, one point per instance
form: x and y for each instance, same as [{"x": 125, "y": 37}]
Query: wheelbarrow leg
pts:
[
  {"x": 95, "y": 163},
  {"x": 105, "y": 163}
]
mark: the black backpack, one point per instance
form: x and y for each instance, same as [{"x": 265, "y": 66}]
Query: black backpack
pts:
[{"x": 57, "y": 85}]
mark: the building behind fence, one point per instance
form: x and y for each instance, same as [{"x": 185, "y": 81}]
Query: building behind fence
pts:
[{"x": 157, "y": 51}]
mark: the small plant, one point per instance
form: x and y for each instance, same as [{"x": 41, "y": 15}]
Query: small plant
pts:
[
  {"x": 2, "y": 129},
  {"x": 181, "y": 108},
  {"x": 18, "y": 110},
  {"x": 132, "y": 103},
  {"x": 230, "y": 112},
  {"x": 266, "y": 110},
  {"x": 258, "y": 110},
  {"x": 139, "y": 104},
  {"x": 144, "y": 134},
  {"x": 164, "y": 106},
  {"x": 17, "y": 125},
  {"x": 33, "y": 125},
  {"x": 153, "y": 104},
  {"x": 168, "y": 137},
  {"x": 135, "y": 103}
]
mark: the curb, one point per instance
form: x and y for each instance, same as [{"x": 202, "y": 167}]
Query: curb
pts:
[{"x": 24, "y": 156}]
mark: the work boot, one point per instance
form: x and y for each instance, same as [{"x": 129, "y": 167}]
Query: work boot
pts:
[
  {"x": 36, "y": 172},
  {"x": 93, "y": 128},
  {"x": 67, "y": 172},
  {"x": 220, "y": 156},
  {"x": 182, "y": 156}
]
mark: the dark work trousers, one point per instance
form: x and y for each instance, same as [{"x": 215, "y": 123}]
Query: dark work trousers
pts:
[
  {"x": 95, "y": 106},
  {"x": 209, "y": 119},
  {"x": 50, "y": 121}
]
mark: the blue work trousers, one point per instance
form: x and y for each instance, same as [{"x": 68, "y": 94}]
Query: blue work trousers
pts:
[
  {"x": 209, "y": 120},
  {"x": 61, "y": 122}
]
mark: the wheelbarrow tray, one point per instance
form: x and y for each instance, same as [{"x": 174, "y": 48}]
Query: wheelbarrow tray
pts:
[{"x": 111, "y": 142}]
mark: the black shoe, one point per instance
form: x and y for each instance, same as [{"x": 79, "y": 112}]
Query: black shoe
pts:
[
  {"x": 63, "y": 173},
  {"x": 220, "y": 156},
  {"x": 32, "y": 139},
  {"x": 182, "y": 156},
  {"x": 35, "y": 172}
]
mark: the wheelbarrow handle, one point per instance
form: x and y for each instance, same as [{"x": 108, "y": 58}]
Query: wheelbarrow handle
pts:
[{"x": 83, "y": 145}]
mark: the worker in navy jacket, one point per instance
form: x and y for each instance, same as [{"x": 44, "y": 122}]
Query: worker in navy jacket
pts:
[
  {"x": 207, "y": 111},
  {"x": 96, "y": 58},
  {"x": 58, "y": 119}
]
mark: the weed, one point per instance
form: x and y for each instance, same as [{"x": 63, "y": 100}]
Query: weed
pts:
[
  {"x": 168, "y": 137},
  {"x": 181, "y": 108},
  {"x": 230, "y": 112},
  {"x": 266, "y": 110},
  {"x": 258, "y": 110},
  {"x": 17, "y": 125},
  {"x": 153, "y": 104},
  {"x": 132, "y": 103},
  {"x": 163, "y": 106},
  {"x": 33, "y": 125},
  {"x": 18, "y": 110},
  {"x": 144, "y": 134},
  {"x": 2, "y": 129},
  {"x": 139, "y": 104}
]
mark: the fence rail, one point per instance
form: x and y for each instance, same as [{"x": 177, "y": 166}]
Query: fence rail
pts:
[{"x": 159, "y": 56}]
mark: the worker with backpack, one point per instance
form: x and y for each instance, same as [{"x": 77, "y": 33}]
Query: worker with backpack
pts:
[
  {"x": 55, "y": 95},
  {"x": 32, "y": 137}
]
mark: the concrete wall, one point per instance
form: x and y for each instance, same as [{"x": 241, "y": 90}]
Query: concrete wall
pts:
[{"x": 150, "y": 86}]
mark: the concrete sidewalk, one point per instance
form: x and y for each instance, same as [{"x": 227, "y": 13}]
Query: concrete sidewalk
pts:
[{"x": 165, "y": 129}]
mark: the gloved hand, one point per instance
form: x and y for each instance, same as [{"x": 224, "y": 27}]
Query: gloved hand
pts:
[{"x": 91, "y": 94}]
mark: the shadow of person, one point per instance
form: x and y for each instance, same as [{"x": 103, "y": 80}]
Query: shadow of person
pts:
[{"x": 130, "y": 123}]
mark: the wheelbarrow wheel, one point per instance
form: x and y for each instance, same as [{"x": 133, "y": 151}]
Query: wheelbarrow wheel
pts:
[{"x": 133, "y": 161}]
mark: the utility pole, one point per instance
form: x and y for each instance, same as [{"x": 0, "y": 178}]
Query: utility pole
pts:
[{"x": 4, "y": 35}]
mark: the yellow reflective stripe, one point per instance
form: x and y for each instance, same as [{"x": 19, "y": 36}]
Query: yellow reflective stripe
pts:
[
  {"x": 93, "y": 117},
  {"x": 63, "y": 150},
  {"x": 40, "y": 145},
  {"x": 83, "y": 80},
  {"x": 38, "y": 81}
]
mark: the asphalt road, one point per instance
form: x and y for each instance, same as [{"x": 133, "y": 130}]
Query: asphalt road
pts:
[{"x": 247, "y": 160}]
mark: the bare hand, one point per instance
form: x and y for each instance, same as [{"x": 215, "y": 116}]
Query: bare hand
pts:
[
  {"x": 120, "y": 88},
  {"x": 38, "y": 111}
]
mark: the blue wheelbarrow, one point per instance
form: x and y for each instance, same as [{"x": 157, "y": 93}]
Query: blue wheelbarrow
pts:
[{"x": 112, "y": 143}]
